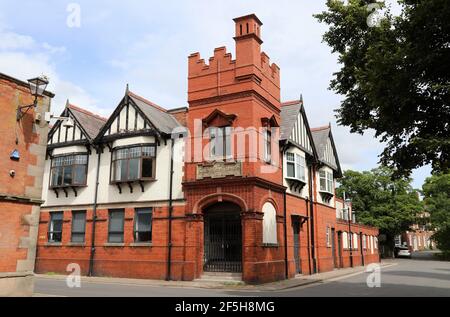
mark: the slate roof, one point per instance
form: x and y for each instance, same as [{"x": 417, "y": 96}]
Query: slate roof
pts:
[
  {"x": 90, "y": 122},
  {"x": 289, "y": 113},
  {"x": 320, "y": 136},
  {"x": 161, "y": 119}
]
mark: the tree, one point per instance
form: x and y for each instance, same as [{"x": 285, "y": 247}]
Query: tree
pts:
[
  {"x": 378, "y": 200},
  {"x": 436, "y": 190},
  {"x": 395, "y": 78}
]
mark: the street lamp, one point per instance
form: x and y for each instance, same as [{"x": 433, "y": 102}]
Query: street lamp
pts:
[{"x": 37, "y": 89}]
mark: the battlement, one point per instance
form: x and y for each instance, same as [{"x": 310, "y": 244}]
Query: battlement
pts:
[{"x": 251, "y": 70}]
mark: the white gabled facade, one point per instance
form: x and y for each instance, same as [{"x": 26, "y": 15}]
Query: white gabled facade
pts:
[
  {"x": 298, "y": 150},
  {"x": 128, "y": 130}
]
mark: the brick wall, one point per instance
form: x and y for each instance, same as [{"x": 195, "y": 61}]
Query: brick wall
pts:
[{"x": 20, "y": 194}]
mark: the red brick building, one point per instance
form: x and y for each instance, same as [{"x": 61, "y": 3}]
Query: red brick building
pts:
[
  {"x": 23, "y": 155},
  {"x": 236, "y": 183}
]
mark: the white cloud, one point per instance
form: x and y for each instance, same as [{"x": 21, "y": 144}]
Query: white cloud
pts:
[
  {"x": 13, "y": 41},
  {"x": 21, "y": 57}
]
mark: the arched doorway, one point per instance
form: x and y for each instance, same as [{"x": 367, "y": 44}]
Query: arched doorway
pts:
[{"x": 222, "y": 238}]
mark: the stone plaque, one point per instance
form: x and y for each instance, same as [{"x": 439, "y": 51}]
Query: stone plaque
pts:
[{"x": 219, "y": 170}]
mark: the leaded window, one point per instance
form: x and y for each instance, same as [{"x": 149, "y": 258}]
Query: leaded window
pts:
[
  {"x": 134, "y": 163},
  {"x": 69, "y": 170}
]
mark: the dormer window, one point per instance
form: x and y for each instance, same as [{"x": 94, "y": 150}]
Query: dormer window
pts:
[
  {"x": 133, "y": 163},
  {"x": 69, "y": 170},
  {"x": 296, "y": 166},
  {"x": 326, "y": 182}
]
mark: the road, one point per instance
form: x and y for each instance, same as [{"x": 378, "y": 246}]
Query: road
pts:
[{"x": 420, "y": 276}]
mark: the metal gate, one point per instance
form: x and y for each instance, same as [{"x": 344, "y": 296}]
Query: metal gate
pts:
[{"x": 223, "y": 242}]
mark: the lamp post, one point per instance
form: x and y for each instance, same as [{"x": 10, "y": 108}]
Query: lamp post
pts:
[
  {"x": 347, "y": 202},
  {"x": 37, "y": 89}
]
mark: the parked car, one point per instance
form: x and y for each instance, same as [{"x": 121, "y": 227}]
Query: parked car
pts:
[{"x": 402, "y": 252}]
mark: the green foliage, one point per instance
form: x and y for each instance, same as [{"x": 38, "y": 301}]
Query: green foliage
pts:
[
  {"x": 395, "y": 78},
  {"x": 379, "y": 200},
  {"x": 437, "y": 202}
]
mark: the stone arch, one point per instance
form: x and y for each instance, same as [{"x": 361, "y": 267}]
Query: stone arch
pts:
[{"x": 217, "y": 198}]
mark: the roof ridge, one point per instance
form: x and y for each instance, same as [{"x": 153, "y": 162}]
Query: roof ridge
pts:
[
  {"x": 87, "y": 112},
  {"x": 291, "y": 102},
  {"x": 148, "y": 102},
  {"x": 321, "y": 128}
]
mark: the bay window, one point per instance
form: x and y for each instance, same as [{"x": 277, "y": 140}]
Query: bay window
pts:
[
  {"x": 296, "y": 166},
  {"x": 220, "y": 142},
  {"x": 69, "y": 170},
  {"x": 326, "y": 181},
  {"x": 133, "y": 163}
]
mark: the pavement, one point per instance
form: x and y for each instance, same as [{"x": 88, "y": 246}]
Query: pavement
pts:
[{"x": 422, "y": 275}]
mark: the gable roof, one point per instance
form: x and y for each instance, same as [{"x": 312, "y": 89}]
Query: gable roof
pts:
[
  {"x": 90, "y": 122},
  {"x": 321, "y": 135},
  {"x": 289, "y": 118},
  {"x": 158, "y": 116},
  {"x": 289, "y": 113}
]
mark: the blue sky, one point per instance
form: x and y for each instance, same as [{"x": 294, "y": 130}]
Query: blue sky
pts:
[{"x": 146, "y": 44}]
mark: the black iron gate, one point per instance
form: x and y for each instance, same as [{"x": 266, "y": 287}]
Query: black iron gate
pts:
[{"x": 223, "y": 242}]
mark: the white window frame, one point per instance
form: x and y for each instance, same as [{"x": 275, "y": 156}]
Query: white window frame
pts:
[
  {"x": 225, "y": 142},
  {"x": 299, "y": 163},
  {"x": 328, "y": 236},
  {"x": 355, "y": 241},
  {"x": 345, "y": 245},
  {"x": 268, "y": 146},
  {"x": 328, "y": 177},
  {"x": 364, "y": 242}
]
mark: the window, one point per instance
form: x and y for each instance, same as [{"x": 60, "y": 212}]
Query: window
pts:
[
  {"x": 116, "y": 225},
  {"x": 364, "y": 242},
  {"x": 355, "y": 241},
  {"x": 328, "y": 237},
  {"x": 134, "y": 163},
  {"x": 344, "y": 240},
  {"x": 55, "y": 227},
  {"x": 143, "y": 225},
  {"x": 220, "y": 142},
  {"x": 296, "y": 166},
  {"x": 269, "y": 224},
  {"x": 69, "y": 170},
  {"x": 78, "y": 226},
  {"x": 267, "y": 146},
  {"x": 326, "y": 181},
  {"x": 375, "y": 242}
]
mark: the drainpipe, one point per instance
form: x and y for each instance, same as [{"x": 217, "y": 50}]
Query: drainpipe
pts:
[
  {"x": 308, "y": 234},
  {"x": 169, "y": 238},
  {"x": 94, "y": 215},
  {"x": 286, "y": 266},
  {"x": 311, "y": 206}
]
